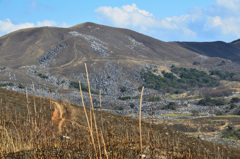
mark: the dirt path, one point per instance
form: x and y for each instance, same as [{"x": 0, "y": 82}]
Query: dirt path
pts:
[
  {"x": 75, "y": 57},
  {"x": 64, "y": 114},
  {"x": 224, "y": 126}
]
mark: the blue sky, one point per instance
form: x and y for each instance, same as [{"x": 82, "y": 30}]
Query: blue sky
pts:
[{"x": 167, "y": 20}]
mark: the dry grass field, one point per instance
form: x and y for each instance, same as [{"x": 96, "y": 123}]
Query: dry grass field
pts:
[{"x": 36, "y": 127}]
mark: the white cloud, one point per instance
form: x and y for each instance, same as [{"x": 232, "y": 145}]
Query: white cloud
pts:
[
  {"x": 226, "y": 26},
  {"x": 225, "y": 21},
  {"x": 131, "y": 16},
  {"x": 219, "y": 21},
  {"x": 7, "y": 26},
  {"x": 127, "y": 16},
  {"x": 233, "y": 5}
]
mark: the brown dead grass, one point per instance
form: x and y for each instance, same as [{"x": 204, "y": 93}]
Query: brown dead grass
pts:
[{"x": 120, "y": 137}]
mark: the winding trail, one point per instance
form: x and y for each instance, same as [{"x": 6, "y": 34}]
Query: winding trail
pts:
[{"x": 63, "y": 114}]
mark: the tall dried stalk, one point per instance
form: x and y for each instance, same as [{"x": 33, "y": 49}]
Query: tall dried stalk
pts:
[
  {"x": 140, "y": 117},
  {"x": 27, "y": 105},
  {"x": 90, "y": 128},
  {"x": 35, "y": 107},
  {"x": 104, "y": 146},
  {"x": 94, "y": 118},
  {"x": 100, "y": 104},
  {"x": 34, "y": 103}
]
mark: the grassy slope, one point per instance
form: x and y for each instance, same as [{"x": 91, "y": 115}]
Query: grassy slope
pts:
[{"x": 43, "y": 137}]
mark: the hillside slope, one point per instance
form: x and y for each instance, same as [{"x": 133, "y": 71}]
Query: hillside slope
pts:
[{"x": 53, "y": 59}]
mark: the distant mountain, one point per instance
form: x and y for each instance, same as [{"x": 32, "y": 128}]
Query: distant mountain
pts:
[
  {"x": 236, "y": 42},
  {"x": 220, "y": 49},
  {"x": 54, "y": 57},
  {"x": 83, "y": 42}
]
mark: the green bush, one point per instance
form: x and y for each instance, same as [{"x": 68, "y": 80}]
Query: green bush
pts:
[
  {"x": 208, "y": 101},
  {"x": 42, "y": 76},
  {"x": 231, "y": 132},
  {"x": 223, "y": 75},
  {"x": 171, "y": 105},
  {"x": 233, "y": 105},
  {"x": 235, "y": 100},
  {"x": 136, "y": 97},
  {"x": 132, "y": 105},
  {"x": 186, "y": 80},
  {"x": 124, "y": 98},
  {"x": 219, "y": 113},
  {"x": 75, "y": 85},
  {"x": 196, "y": 63},
  {"x": 118, "y": 108},
  {"x": 21, "y": 86},
  {"x": 6, "y": 84}
]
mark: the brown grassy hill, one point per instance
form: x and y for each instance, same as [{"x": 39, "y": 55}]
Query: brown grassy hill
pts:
[
  {"x": 58, "y": 129},
  {"x": 69, "y": 47},
  {"x": 83, "y": 42},
  {"x": 52, "y": 57}
]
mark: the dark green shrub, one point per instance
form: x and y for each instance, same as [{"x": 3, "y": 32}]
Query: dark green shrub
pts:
[
  {"x": 21, "y": 86},
  {"x": 233, "y": 105},
  {"x": 231, "y": 132},
  {"x": 124, "y": 98},
  {"x": 171, "y": 105},
  {"x": 136, "y": 97},
  {"x": 219, "y": 113},
  {"x": 235, "y": 100},
  {"x": 75, "y": 85},
  {"x": 223, "y": 75},
  {"x": 208, "y": 101},
  {"x": 132, "y": 105},
  {"x": 123, "y": 89},
  {"x": 186, "y": 80},
  {"x": 6, "y": 84},
  {"x": 118, "y": 108},
  {"x": 196, "y": 63},
  {"x": 42, "y": 76}
]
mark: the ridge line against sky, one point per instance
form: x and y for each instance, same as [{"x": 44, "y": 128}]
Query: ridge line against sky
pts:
[{"x": 167, "y": 20}]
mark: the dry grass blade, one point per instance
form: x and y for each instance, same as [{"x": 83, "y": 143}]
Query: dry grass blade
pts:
[
  {"x": 90, "y": 128},
  {"x": 104, "y": 146},
  {"x": 140, "y": 119},
  {"x": 35, "y": 107},
  {"x": 100, "y": 104},
  {"x": 27, "y": 105},
  {"x": 94, "y": 118}
]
